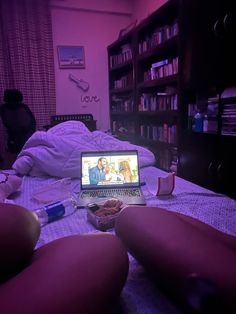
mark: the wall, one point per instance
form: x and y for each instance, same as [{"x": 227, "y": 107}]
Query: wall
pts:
[
  {"x": 141, "y": 11},
  {"x": 94, "y": 25}
]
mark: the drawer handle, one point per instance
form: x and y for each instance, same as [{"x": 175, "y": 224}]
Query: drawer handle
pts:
[
  {"x": 216, "y": 28},
  {"x": 211, "y": 169},
  {"x": 225, "y": 21},
  {"x": 219, "y": 171}
]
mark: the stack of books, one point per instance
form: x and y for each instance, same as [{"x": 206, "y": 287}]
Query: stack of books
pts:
[{"x": 229, "y": 119}]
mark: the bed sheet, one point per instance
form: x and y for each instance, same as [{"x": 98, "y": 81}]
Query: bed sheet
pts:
[{"x": 139, "y": 296}]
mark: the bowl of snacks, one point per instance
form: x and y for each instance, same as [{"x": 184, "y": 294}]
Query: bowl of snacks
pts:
[{"x": 103, "y": 215}]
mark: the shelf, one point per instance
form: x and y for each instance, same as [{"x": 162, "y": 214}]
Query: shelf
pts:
[
  {"x": 160, "y": 49},
  {"x": 127, "y": 64},
  {"x": 163, "y": 113},
  {"x": 148, "y": 142},
  {"x": 158, "y": 113},
  {"x": 123, "y": 113},
  {"x": 159, "y": 82},
  {"x": 121, "y": 90},
  {"x": 143, "y": 141}
]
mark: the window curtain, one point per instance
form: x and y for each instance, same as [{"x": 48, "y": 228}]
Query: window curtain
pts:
[{"x": 26, "y": 57}]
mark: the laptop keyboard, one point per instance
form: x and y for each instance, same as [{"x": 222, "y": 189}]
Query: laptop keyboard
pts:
[{"x": 112, "y": 193}]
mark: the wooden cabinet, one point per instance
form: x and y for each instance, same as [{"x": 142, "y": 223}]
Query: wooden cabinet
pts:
[
  {"x": 209, "y": 161},
  {"x": 206, "y": 151},
  {"x": 226, "y": 170},
  {"x": 178, "y": 97}
]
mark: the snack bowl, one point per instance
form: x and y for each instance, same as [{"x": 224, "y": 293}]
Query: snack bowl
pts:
[{"x": 103, "y": 215}]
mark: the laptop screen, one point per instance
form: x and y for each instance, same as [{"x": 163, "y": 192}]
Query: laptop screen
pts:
[{"x": 106, "y": 169}]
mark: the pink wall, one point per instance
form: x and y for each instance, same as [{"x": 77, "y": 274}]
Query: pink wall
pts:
[
  {"x": 143, "y": 8},
  {"x": 94, "y": 25}
]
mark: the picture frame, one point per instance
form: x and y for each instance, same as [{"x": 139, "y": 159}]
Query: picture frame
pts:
[{"x": 71, "y": 57}]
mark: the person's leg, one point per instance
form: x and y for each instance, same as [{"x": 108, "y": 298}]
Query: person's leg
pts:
[
  {"x": 19, "y": 232},
  {"x": 227, "y": 239},
  {"x": 78, "y": 274},
  {"x": 173, "y": 246}
]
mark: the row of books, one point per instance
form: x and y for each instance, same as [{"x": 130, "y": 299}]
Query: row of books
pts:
[
  {"x": 158, "y": 36},
  {"x": 166, "y": 159},
  {"x": 165, "y": 133},
  {"x": 161, "y": 69},
  {"x": 124, "y": 126},
  {"x": 124, "y": 81},
  {"x": 229, "y": 119},
  {"x": 159, "y": 102},
  {"x": 122, "y": 105},
  {"x": 123, "y": 56}
]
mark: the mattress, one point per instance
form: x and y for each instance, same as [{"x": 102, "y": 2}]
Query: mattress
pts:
[{"x": 139, "y": 295}]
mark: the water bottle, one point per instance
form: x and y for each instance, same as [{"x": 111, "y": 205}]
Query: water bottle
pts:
[
  {"x": 57, "y": 210},
  {"x": 198, "y": 122},
  {"x": 205, "y": 124}
]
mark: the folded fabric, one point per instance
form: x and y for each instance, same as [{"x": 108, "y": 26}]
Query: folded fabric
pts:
[
  {"x": 9, "y": 183},
  {"x": 57, "y": 152}
]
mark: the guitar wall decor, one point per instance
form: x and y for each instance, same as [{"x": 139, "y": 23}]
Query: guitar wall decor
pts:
[{"x": 80, "y": 83}]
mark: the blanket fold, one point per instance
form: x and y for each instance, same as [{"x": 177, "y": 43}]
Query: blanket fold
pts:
[{"x": 56, "y": 152}]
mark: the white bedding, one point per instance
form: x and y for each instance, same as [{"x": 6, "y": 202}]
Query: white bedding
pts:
[{"x": 57, "y": 152}]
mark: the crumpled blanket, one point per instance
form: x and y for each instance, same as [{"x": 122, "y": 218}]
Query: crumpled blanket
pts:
[{"x": 56, "y": 152}]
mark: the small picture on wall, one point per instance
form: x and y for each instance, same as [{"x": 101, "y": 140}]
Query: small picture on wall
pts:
[{"x": 71, "y": 57}]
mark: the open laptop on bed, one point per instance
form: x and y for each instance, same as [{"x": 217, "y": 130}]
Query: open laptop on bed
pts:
[{"x": 110, "y": 174}]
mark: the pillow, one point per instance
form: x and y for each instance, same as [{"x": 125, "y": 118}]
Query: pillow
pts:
[{"x": 19, "y": 233}]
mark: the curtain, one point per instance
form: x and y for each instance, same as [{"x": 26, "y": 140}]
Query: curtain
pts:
[{"x": 26, "y": 57}]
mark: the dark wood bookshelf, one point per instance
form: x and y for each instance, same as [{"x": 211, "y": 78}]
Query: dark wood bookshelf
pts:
[
  {"x": 198, "y": 37},
  {"x": 161, "y": 23}
]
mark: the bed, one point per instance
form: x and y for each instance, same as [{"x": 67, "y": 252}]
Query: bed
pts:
[{"x": 139, "y": 295}]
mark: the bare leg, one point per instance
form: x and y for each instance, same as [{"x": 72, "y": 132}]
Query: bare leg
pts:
[{"x": 173, "y": 246}]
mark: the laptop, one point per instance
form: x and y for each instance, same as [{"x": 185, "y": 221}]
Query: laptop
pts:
[{"x": 110, "y": 174}]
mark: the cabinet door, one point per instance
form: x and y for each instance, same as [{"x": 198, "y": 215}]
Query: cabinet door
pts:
[
  {"x": 199, "y": 159},
  {"x": 225, "y": 36},
  {"x": 199, "y": 53},
  {"x": 208, "y": 45},
  {"x": 226, "y": 170}
]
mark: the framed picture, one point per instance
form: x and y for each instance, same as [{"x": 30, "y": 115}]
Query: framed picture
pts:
[{"x": 71, "y": 57}]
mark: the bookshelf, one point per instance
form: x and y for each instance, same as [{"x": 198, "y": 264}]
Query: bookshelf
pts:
[
  {"x": 180, "y": 97},
  {"x": 145, "y": 111}
]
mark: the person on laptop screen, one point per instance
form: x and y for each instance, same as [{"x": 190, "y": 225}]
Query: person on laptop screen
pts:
[
  {"x": 98, "y": 173},
  {"x": 125, "y": 171},
  {"x": 111, "y": 175}
]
